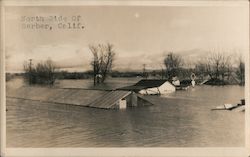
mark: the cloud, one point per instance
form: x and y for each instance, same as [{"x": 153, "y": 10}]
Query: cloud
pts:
[
  {"x": 65, "y": 56},
  {"x": 134, "y": 60},
  {"x": 76, "y": 58},
  {"x": 73, "y": 57}
]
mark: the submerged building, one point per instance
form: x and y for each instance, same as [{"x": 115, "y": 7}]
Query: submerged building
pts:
[{"x": 113, "y": 99}]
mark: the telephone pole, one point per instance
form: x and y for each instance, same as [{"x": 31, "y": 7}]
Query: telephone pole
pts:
[
  {"x": 144, "y": 71},
  {"x": 30, "y": 69}
]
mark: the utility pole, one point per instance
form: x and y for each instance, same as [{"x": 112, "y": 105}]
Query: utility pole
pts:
[
  {"x": 30, "y": 69},
  {"x": 144, "y": 70},
  {"x": 162, "y": 72}
]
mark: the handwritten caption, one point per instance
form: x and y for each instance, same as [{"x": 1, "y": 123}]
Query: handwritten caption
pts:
[{"x": 52, "y": 22}]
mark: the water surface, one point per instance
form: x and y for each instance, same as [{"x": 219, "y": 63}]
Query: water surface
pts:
[{"x": 180, "y": 119}]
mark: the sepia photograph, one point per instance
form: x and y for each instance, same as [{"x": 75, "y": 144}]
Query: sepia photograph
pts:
[{"x": 126, "y": 76}]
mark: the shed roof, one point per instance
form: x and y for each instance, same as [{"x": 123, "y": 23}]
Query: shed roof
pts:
[
  {"x": 81, "y": 97},
  {"x": 150, "y": 83},
  {"x": 143, "y": 84},
  {"x": 109, "y": 99}
]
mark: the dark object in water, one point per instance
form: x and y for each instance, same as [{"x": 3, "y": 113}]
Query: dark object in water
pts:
[
  {"x": 182, "y": 87},
  {"x": 215, "y": 81},
  {"x": 242, "y": 101},
  {"x": 186, "y": 82}
]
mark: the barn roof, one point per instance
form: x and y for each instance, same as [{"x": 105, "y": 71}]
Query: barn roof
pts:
[
  {"x": 81, "y": 97},
  {"x": 144, "y": 84}
]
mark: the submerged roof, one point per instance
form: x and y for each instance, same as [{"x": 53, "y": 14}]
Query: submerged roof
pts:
[
  {"x": 81, "y": 97},
  {"x": 150, "y": 83},
  {"x": 144, "y": 84},
  {"x": 109, "y": 99},
  {"x": 132, "y": 88}
]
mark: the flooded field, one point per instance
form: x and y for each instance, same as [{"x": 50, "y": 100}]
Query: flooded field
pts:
[{"x": 180, "y": 119}]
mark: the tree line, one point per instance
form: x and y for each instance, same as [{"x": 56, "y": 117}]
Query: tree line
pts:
[{"x": 214, "y": 66}]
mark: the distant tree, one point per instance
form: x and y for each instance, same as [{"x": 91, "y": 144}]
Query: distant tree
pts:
[
  {"x": 214, "y": 63},
  {"x": 41, "y": 73},
  {"x": 241, "y": 71},
  {"x": 200, "y": 69},
  {"x": 225, "y": 67},
  {"x": 172, "y": 63},
  {"x": 103, "y": 58},
  {"x": 217, "y": 65},
  {"x": 95, "y": 62}
]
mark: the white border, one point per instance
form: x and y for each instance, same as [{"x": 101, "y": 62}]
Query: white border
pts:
[
  {"x": 141, "y": 152},
  {"x": 125, "y": 2},
  {"x": 247, "y": 92},
  {"x": 159, "y": 151},
  {"x": 2, "y": 85}
]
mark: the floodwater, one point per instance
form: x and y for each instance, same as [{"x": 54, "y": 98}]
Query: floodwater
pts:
[{"x": 180, "y": 119}]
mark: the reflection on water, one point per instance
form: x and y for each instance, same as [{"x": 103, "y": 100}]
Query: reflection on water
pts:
[{"x": 179, "y": 119}]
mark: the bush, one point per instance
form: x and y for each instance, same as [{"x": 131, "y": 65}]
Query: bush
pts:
[{"x": 41, "y": 73}]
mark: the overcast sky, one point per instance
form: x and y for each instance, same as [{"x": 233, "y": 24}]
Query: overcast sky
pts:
[{"x": 140, "y": 35}]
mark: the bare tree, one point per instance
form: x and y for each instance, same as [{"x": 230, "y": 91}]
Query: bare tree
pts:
[
  {"x": 214, "y": 63},
  {"x": 103, "y": 57},
  {"x": 201, "y": 69},
  {"x": 95, "y": 63},
  {"x": 172, "y": 63},
  {"x": 217, "y": 65},
  {"x": 226, "y": 66},
  {"x": 241, "y": 71}
]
